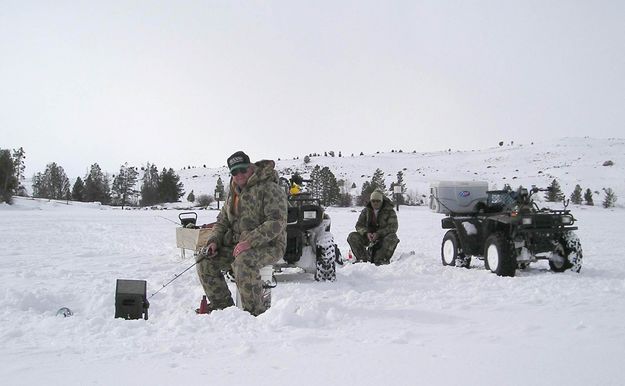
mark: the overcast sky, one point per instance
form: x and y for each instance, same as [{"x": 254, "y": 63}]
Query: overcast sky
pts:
[{"x": 181, "y": 83}]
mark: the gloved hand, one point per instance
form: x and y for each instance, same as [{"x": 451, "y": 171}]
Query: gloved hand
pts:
[
  {"x": 242, "y": 246},
  {"x": 209, "y": 250}
]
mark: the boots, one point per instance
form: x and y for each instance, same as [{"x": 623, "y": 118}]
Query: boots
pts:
[{"x": 207, "y": 308}]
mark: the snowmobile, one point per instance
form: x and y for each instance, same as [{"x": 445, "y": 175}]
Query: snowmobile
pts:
[{"x": 505, "y": 228}]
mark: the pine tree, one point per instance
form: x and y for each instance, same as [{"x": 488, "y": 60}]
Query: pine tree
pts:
[
  {"x": 400, "y": 182},
  {"x": 315, "y": 185},
  {"x": 149, "y": 186},
  {"x": 588, "y": 197},
  {"x": 97, "y": 186},
  {"x": 324, "y": 185},
  {"x": 576, "y": 196},
  {"x": 219, "y": 188},
  {"x": 78, "y": 190},
  {"x": 191, "y": 197},
  {"x": 20, "y": 166},
  {"x": 365, "y": 193},
  {"x": 124, "y": 184},
  {"x": 610, "y": 198},
  {"x": 170, "y": 188},
  {"x": 377, "y": 181},
  {"x": 330, "y": 192},
  {"x": 8, "y": 180},
  {"x": 555, "y": 193},
  {"x": 52, "y": 184}
]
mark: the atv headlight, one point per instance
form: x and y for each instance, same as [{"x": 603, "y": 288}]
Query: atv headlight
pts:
[
  {"x": 526, "y": 221},
  {"x": 567, "y": 220}
]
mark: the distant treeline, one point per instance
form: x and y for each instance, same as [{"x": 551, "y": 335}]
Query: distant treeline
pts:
[
  {"x": 165, "y": 186},
  {"x": 53, "y": 183}
]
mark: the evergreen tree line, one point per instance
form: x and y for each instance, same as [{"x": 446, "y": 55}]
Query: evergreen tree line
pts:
[
  {"x": 166, "y": 186},
  {"x": 378, "y": 183},
  {"x": 96, "y": 186},
  {"x": 555, "y": 194},
  {"x": 330, "y": 191}
]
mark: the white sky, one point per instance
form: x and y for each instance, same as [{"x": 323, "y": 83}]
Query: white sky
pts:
[{"x": 190, "y": 82}]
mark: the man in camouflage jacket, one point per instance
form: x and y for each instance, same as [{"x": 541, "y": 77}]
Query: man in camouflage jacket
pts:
[
  {"x": 375, "y": 238},
  {"x": 249, "y": 234}
]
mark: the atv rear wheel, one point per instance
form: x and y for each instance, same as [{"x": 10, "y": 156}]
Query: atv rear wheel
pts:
[
  {"x": 567, "y": 254},
  {"x": 449, "y": 248},
  {"x": 498, "y": 256}
]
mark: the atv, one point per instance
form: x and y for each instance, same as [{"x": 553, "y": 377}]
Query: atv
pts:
[
  {"x": 310, "y": 244},
  {"x": 509, "y": 231}
]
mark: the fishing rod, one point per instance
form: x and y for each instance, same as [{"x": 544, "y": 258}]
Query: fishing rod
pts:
[
  {"x": 176, "y": 276},
  {"x": 170, "y": 220}
]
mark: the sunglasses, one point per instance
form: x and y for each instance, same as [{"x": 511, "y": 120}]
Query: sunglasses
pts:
[
  {"x": 376, "y": 201},
  {"x": 238, "y": 171}
]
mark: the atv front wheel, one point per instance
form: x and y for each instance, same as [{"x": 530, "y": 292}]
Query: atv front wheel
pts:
[
  {"x": 498, "y": 256},
  {"x": 567, "y": 254}
]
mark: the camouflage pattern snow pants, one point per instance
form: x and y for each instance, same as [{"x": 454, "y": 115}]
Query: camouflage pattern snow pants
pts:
[
  {"x": 246, "y": 268},
  {"x": 381, "y": 252}
]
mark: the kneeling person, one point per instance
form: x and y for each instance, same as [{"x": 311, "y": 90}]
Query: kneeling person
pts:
[{"x": 376, "y": 230}]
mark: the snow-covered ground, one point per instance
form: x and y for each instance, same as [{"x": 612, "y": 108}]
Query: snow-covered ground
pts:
[{"x": 411, "y": 322}]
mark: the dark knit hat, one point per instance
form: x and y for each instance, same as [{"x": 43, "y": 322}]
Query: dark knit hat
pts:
[{"x": 238, "y": 160}]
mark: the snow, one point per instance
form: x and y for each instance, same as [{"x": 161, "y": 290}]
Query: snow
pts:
[
  {"x": 411, "y": 322},
  {"x": 469, "y": 228}
]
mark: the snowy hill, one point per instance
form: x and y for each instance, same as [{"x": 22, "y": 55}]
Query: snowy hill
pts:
[{"x": 570, "y": 160}]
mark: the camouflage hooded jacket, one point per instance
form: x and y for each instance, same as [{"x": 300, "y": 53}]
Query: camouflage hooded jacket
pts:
[
  {"x": 260, "y": 218},
  {"x": 386, "y": 221}
]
